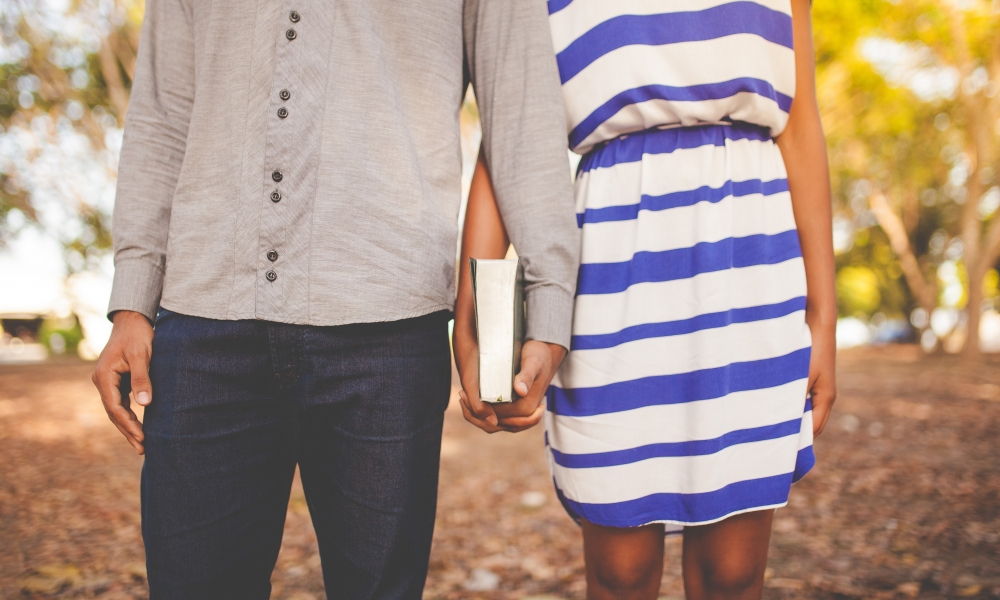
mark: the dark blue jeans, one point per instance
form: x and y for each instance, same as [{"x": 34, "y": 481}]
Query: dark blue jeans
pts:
[{"x": 237, "y": 404}]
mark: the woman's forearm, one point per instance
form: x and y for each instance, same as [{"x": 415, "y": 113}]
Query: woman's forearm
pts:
[
  {"x": 803, "y": 146},
  {"x": 483, "y": 236}
]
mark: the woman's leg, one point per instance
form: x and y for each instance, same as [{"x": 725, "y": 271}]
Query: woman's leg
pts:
[
  {"x": 623, "y": 563},
  {"x": 726, "y": 560}
]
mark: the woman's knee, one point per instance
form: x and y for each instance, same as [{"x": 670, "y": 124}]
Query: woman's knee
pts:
[
  {"x": 623, "y": 563},
  {"x": 727, "y": 559},
  {"x": 627, "y": 576},
  {"x": 733, "y": 575}
]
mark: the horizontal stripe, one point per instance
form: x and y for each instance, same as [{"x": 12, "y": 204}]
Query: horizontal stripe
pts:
[
  {"x": 691, "y": 509},
  {"x": 694, "y": 93},
  {"x": 701, "y": 322},
  {"x": 664, "y": 423},
  {"x": 608, "y": 278},
  {"x": 706, "y": 293},
  {"x": 679, "y": 474},
  {"x": 682, "y": 65},
  {"x": 557, "y": 5},
  {"x": 673, "y": 28},
  {"x": 684, "y": 226},
  {"x": 671, "y": 355},
  {"x": 678, "y": 388},
  {"x": 805, "y": 460},
  {"x": 688, "y": 448},
  {"x": 678, "y": 199},
  {"x": 683, "y": 169},
  {"x": 666, "y": 141},
  {"x": 584, "y": 15}
]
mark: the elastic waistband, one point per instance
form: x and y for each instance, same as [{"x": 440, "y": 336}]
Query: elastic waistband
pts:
[{"x": 664, "y": 139}]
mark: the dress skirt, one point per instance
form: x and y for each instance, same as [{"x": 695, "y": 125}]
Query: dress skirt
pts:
[{"x": 683, "y": 398}]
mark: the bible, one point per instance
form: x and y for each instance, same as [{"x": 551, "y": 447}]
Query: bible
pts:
[{"x": 498, "y": 297}]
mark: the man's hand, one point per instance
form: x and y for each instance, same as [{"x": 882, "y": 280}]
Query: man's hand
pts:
[
  {"x": 539, "y": 362},
  {"x": 128, "y": 352}
]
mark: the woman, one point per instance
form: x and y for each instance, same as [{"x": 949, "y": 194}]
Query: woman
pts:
[{"x": 705, "y": 307}]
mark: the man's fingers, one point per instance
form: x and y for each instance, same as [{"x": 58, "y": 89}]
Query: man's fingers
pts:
[
  {"x": 129, "y": 438},
  {"x": 123, "y": 418},
  {"x": 128, "y": 424}
]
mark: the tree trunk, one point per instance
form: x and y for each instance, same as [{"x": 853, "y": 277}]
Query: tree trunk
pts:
[
  {"x": 113, "y": 79},
  {"x": 972, "y": 349},
  {"x": 924, "y": 292}
]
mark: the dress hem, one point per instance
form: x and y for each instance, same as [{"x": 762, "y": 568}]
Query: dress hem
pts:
[{"x": 682, "y": 524}]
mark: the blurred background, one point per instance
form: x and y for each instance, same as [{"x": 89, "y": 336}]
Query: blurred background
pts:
[{"x": 905, "y": 502}]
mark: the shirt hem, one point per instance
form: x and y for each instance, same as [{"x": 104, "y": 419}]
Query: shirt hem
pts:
[{"x": 311, "y": 321}]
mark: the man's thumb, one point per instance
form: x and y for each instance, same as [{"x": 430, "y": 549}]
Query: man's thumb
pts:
[
  {"x": 526, "y": 378},
  {"x": 141, "y": 386}
]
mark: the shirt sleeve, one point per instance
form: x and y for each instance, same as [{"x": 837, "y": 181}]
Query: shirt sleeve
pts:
[
  {"x": 512, "y": 67},
  {"x": 152, "y": 154}
]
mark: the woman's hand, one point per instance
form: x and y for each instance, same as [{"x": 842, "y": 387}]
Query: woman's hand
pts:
[
  {"x": 803, "y": 147},
  {"x": 466, "y": 347},
  {"x": 822, "y": 371},
  {"x": 539, "y": 362}
]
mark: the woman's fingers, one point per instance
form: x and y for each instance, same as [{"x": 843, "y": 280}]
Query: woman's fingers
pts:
[
  {"x": 823, "y": 396},
  {"x": 472, "y": 417},
  {"x": 516, "y": 424}
]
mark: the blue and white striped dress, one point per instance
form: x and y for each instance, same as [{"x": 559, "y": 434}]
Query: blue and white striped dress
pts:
[{"x": 683, "y": 398}]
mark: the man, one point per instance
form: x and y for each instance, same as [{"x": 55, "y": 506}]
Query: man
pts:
[{"x": 287, "y": 205}]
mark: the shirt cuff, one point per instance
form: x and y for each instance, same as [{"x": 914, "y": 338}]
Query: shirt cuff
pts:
[
  {"x": 549, "y": 315},
  {"x": 137, "y": 287}
]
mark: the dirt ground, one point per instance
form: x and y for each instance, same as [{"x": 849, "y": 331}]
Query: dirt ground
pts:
[{"x": 904, "y": 503}]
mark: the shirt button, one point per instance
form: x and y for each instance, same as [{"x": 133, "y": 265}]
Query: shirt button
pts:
[
  {"x": 282, "y": 112},
  {"x": 284, "y": 94},
  {"x": 275, "y": 196},
  {"x": 290, "y": 34},
  {"x": 272, "y": 255},
  {"x": 294, "y": 17},
  {"x": 276, "y": 176},
  {"x": 271, "y": 275}
]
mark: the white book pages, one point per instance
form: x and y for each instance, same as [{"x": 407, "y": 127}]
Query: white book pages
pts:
[{"x": 498, "y": 290}]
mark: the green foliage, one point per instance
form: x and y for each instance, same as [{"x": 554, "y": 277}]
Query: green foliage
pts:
[
  {"x": 857, "y": 290},
  {"x": 891, "y": 133},
  {"x": 69, "y": 329},
  {"x": 67, "y": 64},
  {"x": 870, "y": 279}
]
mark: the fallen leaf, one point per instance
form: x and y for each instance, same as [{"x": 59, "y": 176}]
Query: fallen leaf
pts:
[
  {"x": 482, "y": 580},
  {"x": 911, "y": 589},
  {"x": 50, "y": 579},
  {"x": 784, "y": 583}
]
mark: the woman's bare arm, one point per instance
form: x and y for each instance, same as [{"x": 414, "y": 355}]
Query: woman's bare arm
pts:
[
  {"x": 484, "y": 236},
  {"x": 803, "y": 146}
]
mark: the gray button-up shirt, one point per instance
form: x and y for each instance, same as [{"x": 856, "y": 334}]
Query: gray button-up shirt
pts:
[{"x": 299, "y": 160}]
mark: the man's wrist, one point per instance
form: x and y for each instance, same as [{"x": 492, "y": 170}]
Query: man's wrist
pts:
[
  {"x": 123, "y": 317},
  {"x": 550, "y": 315}
]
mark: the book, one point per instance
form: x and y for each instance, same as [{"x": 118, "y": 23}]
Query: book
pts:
[{"x": 498, "y": 297}]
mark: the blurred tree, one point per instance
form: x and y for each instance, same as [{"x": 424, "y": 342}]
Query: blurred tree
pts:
[
  {"x": 65, "y": 71},
  {"x": 909, "y": 92}
]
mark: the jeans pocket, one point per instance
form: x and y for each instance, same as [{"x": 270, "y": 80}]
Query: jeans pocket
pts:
[{"x": 162, "y": 314}]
